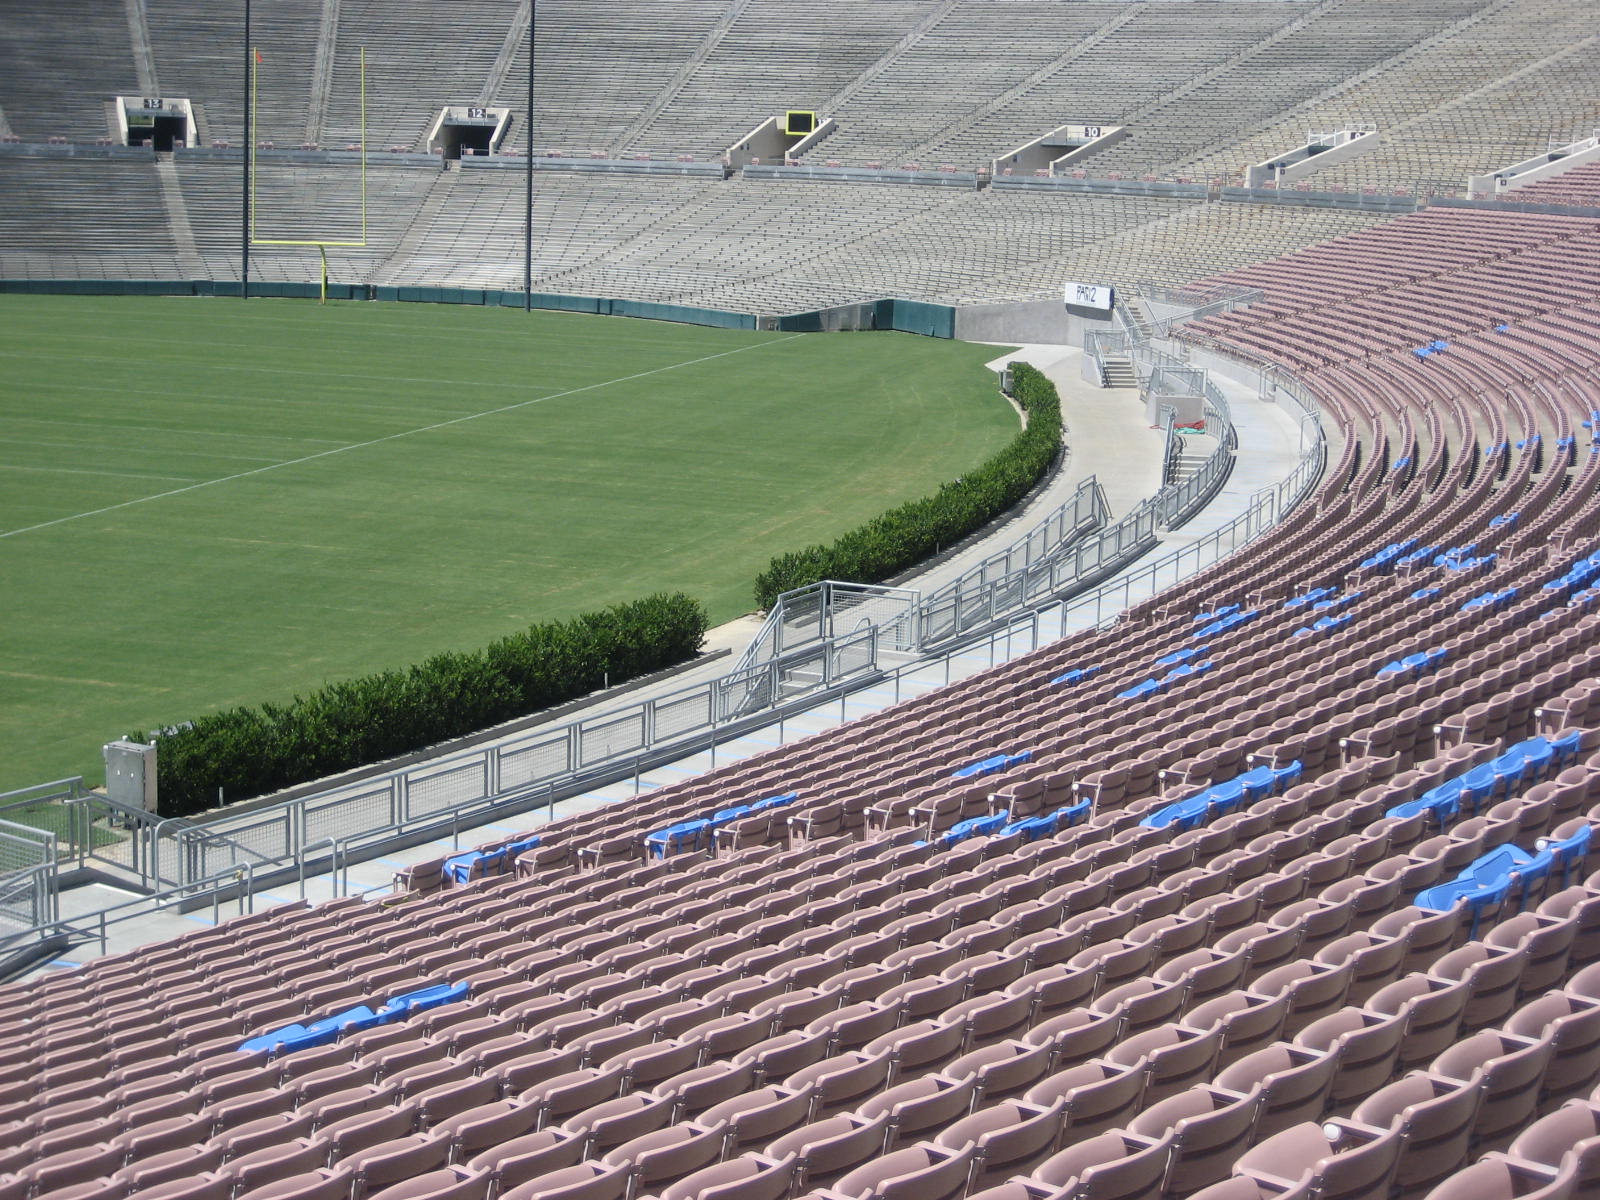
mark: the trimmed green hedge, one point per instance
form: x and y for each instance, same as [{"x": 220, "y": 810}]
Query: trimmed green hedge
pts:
[
  {"x": 248, "y": 752},
  {"x": 903, "y": 536}
]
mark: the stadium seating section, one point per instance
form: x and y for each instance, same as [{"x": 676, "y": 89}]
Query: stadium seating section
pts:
[
  {"x": 1457, "y": 87},
  {"x": 1279, "y": 885}
]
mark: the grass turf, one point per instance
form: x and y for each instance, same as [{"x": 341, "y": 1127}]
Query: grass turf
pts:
[{"x": 205, "y": 503}]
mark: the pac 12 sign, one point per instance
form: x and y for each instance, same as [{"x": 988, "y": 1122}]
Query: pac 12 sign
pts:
[{"x": 1087, "y": 295}]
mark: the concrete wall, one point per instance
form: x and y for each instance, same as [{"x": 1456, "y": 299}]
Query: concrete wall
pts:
[
  {"x": 1043, "y": 322},
  {"x": 1300, "y": 162}
]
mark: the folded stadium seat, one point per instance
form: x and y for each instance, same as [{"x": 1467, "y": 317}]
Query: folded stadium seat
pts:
[
  {"x": 916, "y": 1046},
  {"x": 1110, "y": 1166},
  {"x": 1292, "y": 1082},
  {"x": 170, "y": 1165},
  {"x": 1204, "y": 972},
  {"x": 1096, "y": 1096},
  {"x": 1268, "y": 944},
  {"x": 928, "y": 1102},
  {"x": 1142, "y": 1004},
  {"x": 387, "y": 1163},
  {"x": 666, "y": 1154},
  {"x": 1580, "y": 902},
  {"x": 824, "y": 1150},
  {"x": 271, "y": 1163},
  {"x": 1427, "y": 934},
  {"x": 1338, "y": 1160},
  {"x": 760, "y": 1115},
  {"x": 1313, "y": 989},
  {"x": 1547, "y": 942},
  {"x": 1375, "y": 961},
  {"x": 581, "y": 1181},
  {"x": 842, "y": 1081},
  {"x": 620, "y": 1119},
  {"x": 1434, "y": 1116},
  {"x": 1491, "y": 975},
  {"x": 1496, "y": 1177},
  {"x": 1075, "y": 1035},
  {"x": 1173, "y": 1057},
  {"x": 78, "y": 1166},
  {"x": 1208, "y": 1128},
  {"x": 751, "y": 1176},
  {"x": 987, "y": 1017},
  {"x": 1364, "y": 1044},
  {"x": 1509, "y": 1071},
  {"x": 920, "y": 1172}
]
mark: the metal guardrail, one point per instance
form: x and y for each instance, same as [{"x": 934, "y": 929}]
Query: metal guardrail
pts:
[
  {"x": 805, "y": 615},
  {"x": 233, "y": 884},
  {"x": 186, "y": 858}
]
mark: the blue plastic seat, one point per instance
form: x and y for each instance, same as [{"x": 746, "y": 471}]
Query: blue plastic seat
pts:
[
  {"x": 775, "y": 801},
  {"x": 1140, "y": 690},
  {"x": 420, "y": 1000},
  {"x": 1074, "y": 814},
  {"x": 1485, "y": 883},
  {"x": 1178, "y": 656},
  {"x": 458, "y": 867},
  {"x": 1535, "y": 873},
  {"x": 1537, "y": 755},
  {"x": 973, "y": 827},
  {"x": 1442, "y": 802},
  {"x": 674, "y": 839},
  {"x": 1286, "y": 776},
  {"x": 1031, "y": 829},
  {"x": 1477, "y": 785},
  {"x": 351, "y": 1020},
  {"x": 1256, "y": 784},
  {"x": 1076, "y": 675},
  {"x": 992, "y": 765},
  {"x": 274, "y": 1040},
  {"x": 1189, "y": 813},
  {"x": 1565, "y": 748},
  {"x": 1310, "y": 597}
]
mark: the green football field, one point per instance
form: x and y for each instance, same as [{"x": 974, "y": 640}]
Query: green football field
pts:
[{"x": 205, "y": 503}]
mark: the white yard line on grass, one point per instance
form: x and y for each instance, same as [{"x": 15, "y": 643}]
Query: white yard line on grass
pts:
[{"x": 505, "y": 408}]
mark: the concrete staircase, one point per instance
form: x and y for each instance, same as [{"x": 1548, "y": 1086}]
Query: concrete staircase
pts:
[{"x": 1118, "y": 373}]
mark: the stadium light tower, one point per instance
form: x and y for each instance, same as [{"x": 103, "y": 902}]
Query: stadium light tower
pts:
[{"x": 527, "y": 213}]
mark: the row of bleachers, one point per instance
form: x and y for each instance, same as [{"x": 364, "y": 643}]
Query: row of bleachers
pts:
[
  {"x": 1441, "y": 118},
  {"x": 1460, "y": 86},
  {"x": 1168, "y": 45},
  {"x": 1328, "y": 48},
  {"x": 56, "y": 210},
  {"x": 1579, "y": 186},
  {"x": 198, "y": 53},
  {"x": 602, "y": 64},
  {"x": 968, "y": 60},
  {"x": 1279, "y": 885}
]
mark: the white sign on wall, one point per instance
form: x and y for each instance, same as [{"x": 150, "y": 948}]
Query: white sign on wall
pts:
[{"x": 1088, "y": 295}]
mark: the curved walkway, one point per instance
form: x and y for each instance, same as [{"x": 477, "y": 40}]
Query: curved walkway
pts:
[{"x": 1107, "y": 436}]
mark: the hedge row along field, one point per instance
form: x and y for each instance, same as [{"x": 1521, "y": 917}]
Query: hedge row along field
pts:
[
  {"x": 244, "y": 752},
  {"x": 906, "y": 535}
]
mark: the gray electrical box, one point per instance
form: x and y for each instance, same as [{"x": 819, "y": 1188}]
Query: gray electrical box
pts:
[{"x": 131, "y": 774}]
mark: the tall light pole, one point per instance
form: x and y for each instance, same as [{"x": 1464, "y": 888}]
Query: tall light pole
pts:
[
  {"x": 244, "y": 193},
  {"x": 527, "y": 213}
]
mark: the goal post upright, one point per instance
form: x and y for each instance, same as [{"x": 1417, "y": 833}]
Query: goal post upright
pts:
[{"x": 251, "y": 175}]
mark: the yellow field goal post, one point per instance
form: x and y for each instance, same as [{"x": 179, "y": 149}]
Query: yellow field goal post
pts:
[{"x": 321, "y": 244}]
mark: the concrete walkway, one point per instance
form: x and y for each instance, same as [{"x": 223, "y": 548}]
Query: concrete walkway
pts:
[{"x": 1106, "y": 430}]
